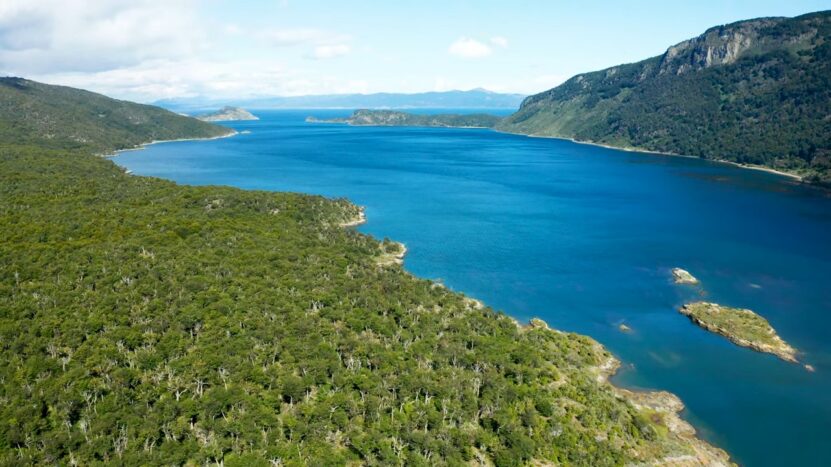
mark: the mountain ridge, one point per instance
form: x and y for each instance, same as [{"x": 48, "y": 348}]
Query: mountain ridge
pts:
[
  {"x": 62, "y": 117},
  {"x": 752, "y": 92}
]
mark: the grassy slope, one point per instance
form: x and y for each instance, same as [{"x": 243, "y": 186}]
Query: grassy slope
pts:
[
  {"x": 66, "y": 118},
  {"x": 143, "y": 322},
  {"x": 770, "y": 107}
]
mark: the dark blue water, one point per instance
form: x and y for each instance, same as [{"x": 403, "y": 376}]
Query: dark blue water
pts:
[{"x": 583, "y": 237}]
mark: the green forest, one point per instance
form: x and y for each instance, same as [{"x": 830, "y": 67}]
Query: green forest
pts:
[
  {"x": 148, "y": 323},
  {"x": 767, "y": 105},
  {"x": 375, "y": 117}
]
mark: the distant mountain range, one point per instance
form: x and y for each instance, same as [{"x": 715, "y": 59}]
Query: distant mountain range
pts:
[
  {"x": 752, "y": 92},
  {"x": 473, "y": 99}
]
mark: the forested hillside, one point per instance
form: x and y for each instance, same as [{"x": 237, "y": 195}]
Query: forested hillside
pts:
[
  {"x": 369, "y": 117},
  {"x": 148, "y": 323},
  {"x": 66, "y": 118},
  {"x": 752, "y": 92}
]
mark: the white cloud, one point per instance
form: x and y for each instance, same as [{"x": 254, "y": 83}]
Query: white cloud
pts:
[
  {"x": 297, "y": 36},
  {"x": 39, "y": 36},
  {"x": 499, "y": 41},
  {"x": 325, "y": 52},
  {"x": 161, "y": 79},
  {"x": 466, "y": 47}
]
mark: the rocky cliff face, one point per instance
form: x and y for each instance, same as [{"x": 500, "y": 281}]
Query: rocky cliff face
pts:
[
  {"x": 718, "y": 46},
  {"x": 752, "y": 92}
]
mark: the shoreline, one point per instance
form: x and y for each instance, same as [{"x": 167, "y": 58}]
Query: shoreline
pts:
[
  {"x": 762, "y": 168},
  {"x": 666, "y": 406},
  {"x": 334, "y": 122},
  {"x": 142, "y": 146},
  {"x": 663, "y": 402},
  {"x": 778, "y": 348},
  {"x": 790, "y": 175}
]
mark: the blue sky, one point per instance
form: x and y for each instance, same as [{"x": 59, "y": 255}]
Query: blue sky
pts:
[{"x": 150, "y": 49}]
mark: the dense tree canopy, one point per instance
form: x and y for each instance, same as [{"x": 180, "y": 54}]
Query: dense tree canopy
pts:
[{"x": 148, "y": 323}]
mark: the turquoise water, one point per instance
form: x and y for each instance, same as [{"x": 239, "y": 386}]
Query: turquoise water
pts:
[{"x": 583, "y": 237}]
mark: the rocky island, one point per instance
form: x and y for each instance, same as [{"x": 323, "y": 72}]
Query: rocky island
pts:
[
  {"x": 368, "y": 117},
  {"x": 682, "y": 276},
  {"x": 228, "y": 114},
  {"x": 742, "y": 327}
]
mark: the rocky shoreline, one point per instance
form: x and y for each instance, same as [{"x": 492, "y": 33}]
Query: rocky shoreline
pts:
[
  {"x": 664, "y": 409},
  {"x": 680, "y": 446},
  {"x": 698, "y": 312}
]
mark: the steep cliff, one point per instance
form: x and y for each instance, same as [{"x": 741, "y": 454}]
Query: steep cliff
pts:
[{"x": 752, "y": 92}]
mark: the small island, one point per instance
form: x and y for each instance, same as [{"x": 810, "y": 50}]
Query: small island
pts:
[
  {"x": 227, "y": 114},
  {"x": 683, "y": 276},
  {"x": 367, "y": 117},
  {"x": 742, "y": 327}
]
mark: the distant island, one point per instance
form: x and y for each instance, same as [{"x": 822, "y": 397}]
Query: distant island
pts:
[
  {"x": 227, "y": 114},
  {"x": 472, "y": 99},
  {"x": 367, "y": 117},
  {"x": 755, "y": 93},
  {"x": 742, "y": 327}
]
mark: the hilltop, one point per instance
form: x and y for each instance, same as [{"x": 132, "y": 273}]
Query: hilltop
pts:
[
  {"x": 61, "y": 117},
  {"x": 755, "y": 92}
]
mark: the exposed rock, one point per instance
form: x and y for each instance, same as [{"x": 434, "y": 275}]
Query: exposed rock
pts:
[
  {"x": 742, "y": 327},
  {"x": 391, "y": 253},
  {"x": 358, "y": 220},
  {"x": 721, "y": 45},
  {"x": 683, "y": 277}
]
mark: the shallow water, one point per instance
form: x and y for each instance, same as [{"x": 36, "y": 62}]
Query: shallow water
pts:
[{"x": 583, "y": 237}]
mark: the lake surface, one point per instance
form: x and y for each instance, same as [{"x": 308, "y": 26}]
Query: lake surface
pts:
[{"x": 584, "y": 238}]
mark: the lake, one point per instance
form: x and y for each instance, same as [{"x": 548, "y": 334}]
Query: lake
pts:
[{"x": 583, "y": 237}]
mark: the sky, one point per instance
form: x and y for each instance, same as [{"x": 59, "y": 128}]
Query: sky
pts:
[{"x": 146, "y": 50}]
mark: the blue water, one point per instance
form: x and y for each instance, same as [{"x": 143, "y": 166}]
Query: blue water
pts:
[{"x": 583, "y": 237}]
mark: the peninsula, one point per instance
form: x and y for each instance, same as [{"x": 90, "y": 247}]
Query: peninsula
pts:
[
  {"x": 742, "y": 327},
  {"x": 368, "y": 117},
  {"x": 227, "y": 114}
]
